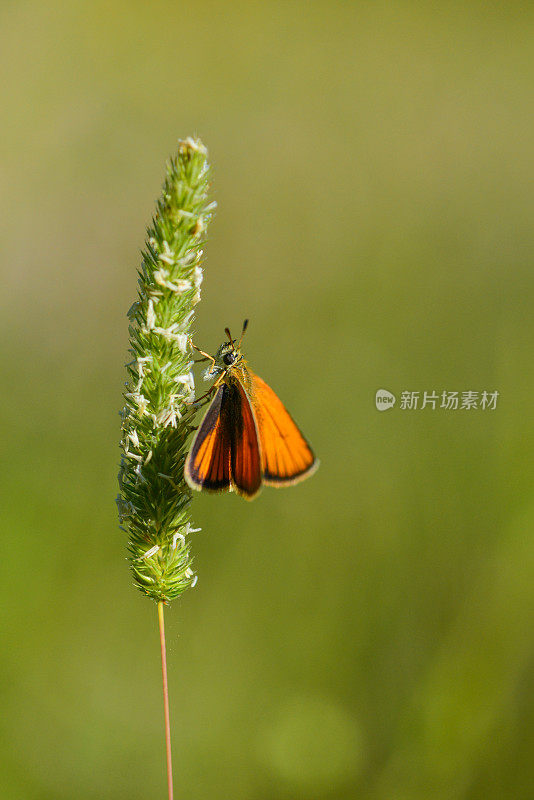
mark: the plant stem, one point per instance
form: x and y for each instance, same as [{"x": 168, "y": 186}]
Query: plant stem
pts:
[{"x": 165, "y": 697}]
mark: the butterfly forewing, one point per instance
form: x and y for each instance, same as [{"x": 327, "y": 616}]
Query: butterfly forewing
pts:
[
  {"x": 245, "y": 459},
  {"x": 286, "y": 455},
  {"x": 208, "y": 462}
]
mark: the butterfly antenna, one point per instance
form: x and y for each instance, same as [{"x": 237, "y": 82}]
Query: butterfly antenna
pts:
[
  {"x": 245, "y": 326},
  {"x": 227, "y": 332}
]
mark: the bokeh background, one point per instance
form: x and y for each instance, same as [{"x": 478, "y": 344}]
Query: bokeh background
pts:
[{"x": 369, "y": 633}]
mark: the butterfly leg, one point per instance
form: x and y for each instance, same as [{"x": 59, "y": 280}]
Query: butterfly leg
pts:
[
  {"x": 210, "y": 391},
  {"x": 202, "y": 400},
  {"x": 206, "y": 356},
  {"x": 205, "y": 398}
]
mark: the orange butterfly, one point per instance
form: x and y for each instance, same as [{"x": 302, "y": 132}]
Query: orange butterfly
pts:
[{"x": 247, "y": 437}]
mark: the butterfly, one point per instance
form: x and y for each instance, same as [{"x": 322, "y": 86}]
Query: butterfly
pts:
[{"x": 247, "y": 437}]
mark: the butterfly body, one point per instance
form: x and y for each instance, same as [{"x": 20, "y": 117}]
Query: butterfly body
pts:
[{"x": 247, "y": 437}]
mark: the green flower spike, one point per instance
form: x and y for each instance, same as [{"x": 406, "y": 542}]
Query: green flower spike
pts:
[{"x": 154, "y": 500}]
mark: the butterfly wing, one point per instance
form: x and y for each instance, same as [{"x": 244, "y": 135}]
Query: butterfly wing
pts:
[
  {"x": 287, "y": 457},
  {"x": 225, "y": 451},
  {"x": 208, "y": 463},
  {"x": 245, "y": 458}
]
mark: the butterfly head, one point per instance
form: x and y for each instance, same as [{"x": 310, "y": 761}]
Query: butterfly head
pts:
[{"x": 227, "y": 356}]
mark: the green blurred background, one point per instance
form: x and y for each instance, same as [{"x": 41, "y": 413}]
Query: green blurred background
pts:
[{"x": 369, "y": 633}]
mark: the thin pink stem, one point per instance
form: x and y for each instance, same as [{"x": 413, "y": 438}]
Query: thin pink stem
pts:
[{"x": 165, "y": 697}]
